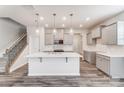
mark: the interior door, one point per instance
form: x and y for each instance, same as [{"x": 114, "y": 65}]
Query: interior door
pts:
[
  {"x": 34, "y": 44},
  {"x": 77, "y": 43}
]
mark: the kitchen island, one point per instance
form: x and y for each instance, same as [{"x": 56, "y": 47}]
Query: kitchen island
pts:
[{"x": 54, "y": 63}]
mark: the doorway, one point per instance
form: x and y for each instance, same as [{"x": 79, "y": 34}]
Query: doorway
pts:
[{"x": 77, "y": 43}]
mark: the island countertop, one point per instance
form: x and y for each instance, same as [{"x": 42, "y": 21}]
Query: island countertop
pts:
[{"x": 53, "y": 54}]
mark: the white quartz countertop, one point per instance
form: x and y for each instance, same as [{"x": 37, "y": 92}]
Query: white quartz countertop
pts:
[
  {"x": 54, "y": 54},
  {"x": 111, "y": 54},
  {"x": 90, "y": 50}
]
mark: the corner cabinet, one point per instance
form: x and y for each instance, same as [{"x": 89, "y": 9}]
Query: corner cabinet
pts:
[
  {"x": 112, "y": 66},
  {"x": 96, "y": 33},
  {"x": 90, "y": 41},
  {"x": 103, "y": 63},
  {"x": 113, "y": 34}
]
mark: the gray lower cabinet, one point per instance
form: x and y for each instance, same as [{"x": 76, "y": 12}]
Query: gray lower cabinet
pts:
[
  {"x": 103, "y": 63},
  {"x": 112, "y": 66},
  {"x": 90, "y": 56}
]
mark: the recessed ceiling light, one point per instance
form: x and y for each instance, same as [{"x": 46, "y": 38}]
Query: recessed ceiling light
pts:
[
  {"x": 88, "y": 18},
  {"x": 46, "y": 25},
  {"x": 54, "y": 31},
  {"x": 41, "y": 18},
  {"x": 81, "y": 25},
  {"x": 63, "y": 25},
  {"x": 64, "y": 18},
  {"x": 37, "y": 30},
  {"x": 71, "y": 31}
]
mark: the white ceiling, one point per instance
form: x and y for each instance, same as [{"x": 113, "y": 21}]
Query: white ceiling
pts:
[{"x": 26, "y": 14}]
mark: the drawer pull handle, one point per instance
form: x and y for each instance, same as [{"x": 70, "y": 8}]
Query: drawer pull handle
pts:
[{"x": 66, "y": 60}]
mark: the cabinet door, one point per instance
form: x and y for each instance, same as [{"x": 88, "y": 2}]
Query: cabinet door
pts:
[
  {"x": 96, "y": 33},
  {"x": 99, "y": 62},
  {"x": 120, "y": 35},
  {"x": 68, "y": 39},
  {"x": 109, "y": 34},
  {"x": 48, "y": 39},
  {"x": 104, "y": 36},
  {"x": 103, "y": 63},
  {"x": 90, "y": 41},
  {"x": 106, "y": 65}
]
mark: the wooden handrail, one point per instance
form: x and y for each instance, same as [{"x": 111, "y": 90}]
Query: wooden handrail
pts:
[
  {"x": 15, "y": 42},
  {"x": 14, "y": 51}
]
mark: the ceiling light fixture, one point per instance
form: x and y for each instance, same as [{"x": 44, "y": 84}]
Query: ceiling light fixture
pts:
[
  {"x": 88, "y": 18},
  {"x": 41, "y": 18},
  {"x": 71, "y": 29},
  {"x": 37, "y": 28},
  {"x": 63, "y": 25},
  {"x": 54, "y": 30},
  {"x": 37, "y": 22},
  {"x": 64, "y": 18},
  {"x": 81, "y": 25}
]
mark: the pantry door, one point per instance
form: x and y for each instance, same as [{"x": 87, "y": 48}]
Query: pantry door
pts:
[{"x": 77, "y": 43}]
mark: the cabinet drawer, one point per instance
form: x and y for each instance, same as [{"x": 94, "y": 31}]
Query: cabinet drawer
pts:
[
  {"x": 106, "y": 66},
  {"x": 98, "y": 62},
  {"x": 103, "y": 63},
  {"x": 106, "y": 58}
]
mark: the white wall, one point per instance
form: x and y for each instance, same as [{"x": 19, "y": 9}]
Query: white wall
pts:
[
  {"x": 9, "y": 32},
  {"x": 106, "y": 48},
  {"x": 33, "y": 40}
]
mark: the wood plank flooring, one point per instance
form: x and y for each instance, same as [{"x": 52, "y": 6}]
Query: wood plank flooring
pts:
[{"x": 90, "y": 77}]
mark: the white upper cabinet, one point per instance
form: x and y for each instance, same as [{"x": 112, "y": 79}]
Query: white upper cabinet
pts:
[
  {"x": 59, "y": 37},
  {"x": 113, "y": 34},
  {"x": 68, "y": 39},
  {"x": 96, "y": 33},
  {"x": 48, "y": 37},
  {"x": 90, "y": 41}
]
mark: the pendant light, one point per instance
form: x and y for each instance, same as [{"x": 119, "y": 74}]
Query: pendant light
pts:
[
  {"x": 71, "y": 29},
  {"x": 37, "y": 23},
  {"x": 37, "y": 28},
  {"x": 54, "y": 30}
]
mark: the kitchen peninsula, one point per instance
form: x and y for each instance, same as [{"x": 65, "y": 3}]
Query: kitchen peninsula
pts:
[{"x": 54, "y": 63}]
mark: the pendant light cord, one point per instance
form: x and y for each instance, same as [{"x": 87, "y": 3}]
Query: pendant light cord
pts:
[
  {"x": 71, "y": 19},
  {"x": 54, "y": 20},
  {"x": 37, "y": 21}
]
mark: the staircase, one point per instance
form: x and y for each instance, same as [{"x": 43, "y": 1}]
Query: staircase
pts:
[
  {"x": 2, "y": 66},
  {"x": 12, "y": 53}
]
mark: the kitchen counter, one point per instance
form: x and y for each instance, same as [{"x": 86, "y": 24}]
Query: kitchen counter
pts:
[
  {"x": 54, "y": 63},
  {"x": 111, "y": 54},
  {"x": 111, "y": 63},
  {"x": 54, "y": 54}
]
